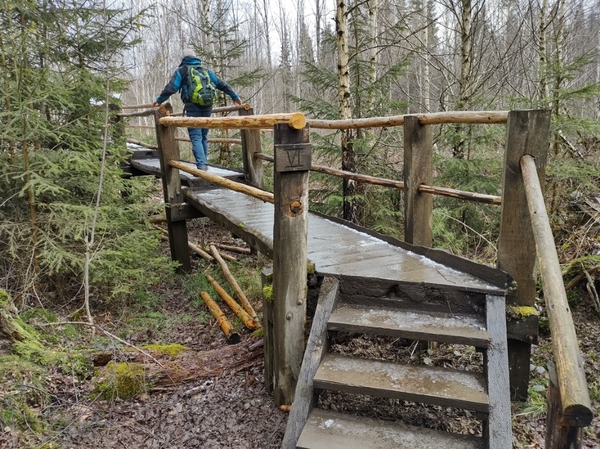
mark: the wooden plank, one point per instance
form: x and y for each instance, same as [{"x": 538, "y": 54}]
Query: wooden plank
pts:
[
  {"x": 418, "y": 169},
  {"x": 527, "y": 132},
  {"x": 290, "y": 231},
  {"x": 315, "y": 349},
  {"x": 448, "y": 328},
  {"x": 173, "y": 195},
  {"x": 498, "y": 428},
  {"x": 405, "y": 295},
  {"x": 330, "y": 430},
  {"x": 418, "y": 383},
  {"x": 490, "y": 275},
  {"x": 254, "y": 238}
]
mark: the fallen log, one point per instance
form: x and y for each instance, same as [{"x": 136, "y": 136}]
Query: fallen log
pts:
[
  {"x": 240, "y": 294},
  {"x": 233, "y": 305},
  {"x": 231, "y": 335},
  {"x": 193, "y": 247},
  {"x": 228, "y": 257},
  {"x": 235, "y": 249}
]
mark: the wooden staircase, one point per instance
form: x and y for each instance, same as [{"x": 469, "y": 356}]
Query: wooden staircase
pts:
[{"x": 472, "y": 319}]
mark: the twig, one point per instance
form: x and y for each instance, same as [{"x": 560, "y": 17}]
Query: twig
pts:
[{"x": 591, "y": 288}]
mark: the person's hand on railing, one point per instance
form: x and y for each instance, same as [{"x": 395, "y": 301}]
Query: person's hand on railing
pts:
[
  {"x": 238, "y": 102},
  {"x": 155, "y": 104}
]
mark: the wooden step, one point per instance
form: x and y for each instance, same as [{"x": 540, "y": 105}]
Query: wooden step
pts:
[
  {"x": 418, "y": 383},
  {"x": 330, "y": 430},
  {"x": 447, "y": 328}
]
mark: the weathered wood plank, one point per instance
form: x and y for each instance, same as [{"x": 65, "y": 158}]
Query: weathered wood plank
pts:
[
  {"x": 315, "y": 349},
  {"x": 448, "y": 328},
  {"x": 498, "y": 428},
  {"x": 330, "y": 430},
  {"x": 418, "y": 383}
]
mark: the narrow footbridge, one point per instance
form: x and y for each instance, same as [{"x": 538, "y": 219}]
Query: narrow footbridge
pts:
[{"x": 377, "y": 285}]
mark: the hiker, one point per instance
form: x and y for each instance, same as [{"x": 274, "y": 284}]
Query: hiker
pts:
[{"x": 197, "y": 87}]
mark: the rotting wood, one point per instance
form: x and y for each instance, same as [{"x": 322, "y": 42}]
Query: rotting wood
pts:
[
  {"x": 576, "y": 405},
  {"x": 230, "y": 334},
  {"x": 238, "y": 291},
  {"x": 295, "y": 120},
  {"x": 234, "y": 306},
  {"x": 236, "y": 186},
  {"x": 225, "y": 256},
  {"x": 235, "y": 249}
]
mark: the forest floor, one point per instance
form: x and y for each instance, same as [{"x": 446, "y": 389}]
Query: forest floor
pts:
[{"x": 213, "y": 396}]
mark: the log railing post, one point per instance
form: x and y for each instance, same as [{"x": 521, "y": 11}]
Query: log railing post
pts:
[
  {"x": 559, "y": 433},
  {"x": 253, "y": 167},
  {"x": 291, "y": 168},
  {"x": 418, "y": 169},
  {"x": 527, "y": 132},
  {"x": 173, "y": 195}
]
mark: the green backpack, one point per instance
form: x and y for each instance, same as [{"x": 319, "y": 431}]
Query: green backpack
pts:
[{"x": 201, "y": 89}]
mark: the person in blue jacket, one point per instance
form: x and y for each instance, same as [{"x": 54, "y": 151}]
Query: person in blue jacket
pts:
[{"x": 178, "y": 83}]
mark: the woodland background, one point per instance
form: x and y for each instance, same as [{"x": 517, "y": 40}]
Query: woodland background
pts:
[{"x": 74, "y": 233}]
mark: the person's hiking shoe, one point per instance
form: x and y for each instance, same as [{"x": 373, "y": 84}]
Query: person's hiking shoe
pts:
[{"x": 203, "y": 167}]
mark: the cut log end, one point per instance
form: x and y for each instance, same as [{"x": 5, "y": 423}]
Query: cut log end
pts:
[{"x": 297, "y": 121}]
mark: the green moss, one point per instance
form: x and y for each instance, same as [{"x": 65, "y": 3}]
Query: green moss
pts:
[
  {"x": 310, "y": 268},
  {"x": 121, "y": 380},
  {"x": 268, "y": 292},
  {"x": 521, "y": 312},
  {"x": 172, "y": 350}
]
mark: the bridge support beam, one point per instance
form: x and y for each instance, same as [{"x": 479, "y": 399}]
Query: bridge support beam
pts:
[
  {"x": 292, "y": 162},
  {"x": 173, "y": 195},
  {"x": 527, "y": 132}
]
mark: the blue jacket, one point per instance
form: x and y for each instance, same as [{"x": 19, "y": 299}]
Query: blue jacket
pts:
[{"x": 178, "y": 83}]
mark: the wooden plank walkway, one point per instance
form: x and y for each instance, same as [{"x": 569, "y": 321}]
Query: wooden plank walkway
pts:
[{"x": 334, "y": 248}]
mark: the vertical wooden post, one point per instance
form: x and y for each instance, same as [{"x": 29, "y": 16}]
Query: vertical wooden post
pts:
[
  {"x": 253, "y": 168},
  {"x": 418, "y": 169},
  {"x": 527, "y": 132},
  {"x": 168, "y": 150},
  {"x": 559, "y": 433},
  {"x": 292, "y": 162},
  {"x": 267, "y": 312}
]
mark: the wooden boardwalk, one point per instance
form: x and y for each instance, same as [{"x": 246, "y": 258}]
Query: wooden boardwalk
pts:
[{"x": 335, "y": 248}]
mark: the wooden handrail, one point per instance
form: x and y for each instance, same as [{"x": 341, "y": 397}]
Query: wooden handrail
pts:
[
  {"x": 576, "y": 406},
  {"x": 384, "y": 182},
  {"x": 436, "y": 118},
  {"x": 237, "y": 186},
  {"x": 295, "y": 120}
]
